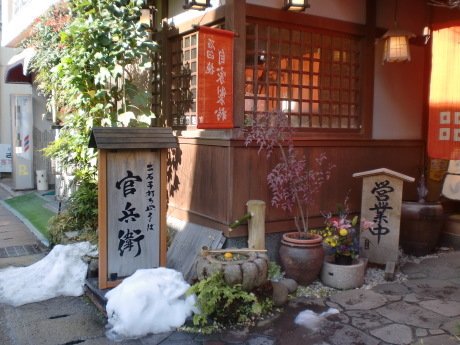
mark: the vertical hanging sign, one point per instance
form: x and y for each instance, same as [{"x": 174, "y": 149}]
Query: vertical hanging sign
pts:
[{"x": 215, "y": 78}]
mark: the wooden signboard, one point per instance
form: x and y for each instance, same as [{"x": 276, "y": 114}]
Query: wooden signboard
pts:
[
  {"x": 381, "y": 204},
  {"x": 132, "y": 200}
]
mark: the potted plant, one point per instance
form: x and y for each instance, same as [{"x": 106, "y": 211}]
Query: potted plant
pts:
[
  {"x": 343, "y": 268},
  {"x": 293, "y": 184}
]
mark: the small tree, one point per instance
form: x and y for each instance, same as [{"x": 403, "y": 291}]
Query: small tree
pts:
[
  {"x": 87, "y": 54},
  {"x": 292, "y": 182}
]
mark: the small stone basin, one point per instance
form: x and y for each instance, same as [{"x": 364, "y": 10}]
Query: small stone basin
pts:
[{"x": 250, "y": 269}]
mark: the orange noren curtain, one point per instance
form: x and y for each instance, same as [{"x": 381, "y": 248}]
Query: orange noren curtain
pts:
[{"x": 444, "y": 107}]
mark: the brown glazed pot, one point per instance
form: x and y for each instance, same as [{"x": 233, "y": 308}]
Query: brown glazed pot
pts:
[
  {"x": 301, "y": 258},
  {"x": 421, "y": 225}
]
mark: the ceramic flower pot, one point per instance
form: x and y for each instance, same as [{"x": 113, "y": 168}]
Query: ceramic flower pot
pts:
[
  {"x": 301, "y": 258},
  {"x": 343, "y": 260},
  {"x": 344, "y": 276}
]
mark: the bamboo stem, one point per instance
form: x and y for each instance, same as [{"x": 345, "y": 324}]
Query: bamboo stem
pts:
[{"x": 239, "y": 221}]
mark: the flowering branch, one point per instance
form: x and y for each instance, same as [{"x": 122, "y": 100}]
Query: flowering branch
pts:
[{"x": 292, "y": 182}]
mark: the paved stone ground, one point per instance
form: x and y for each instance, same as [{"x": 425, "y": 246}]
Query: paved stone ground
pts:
[{"x": 424, "y": 310}]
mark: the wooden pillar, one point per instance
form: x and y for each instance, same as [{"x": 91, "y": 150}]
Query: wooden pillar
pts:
[{"x": 235, "y": 20}]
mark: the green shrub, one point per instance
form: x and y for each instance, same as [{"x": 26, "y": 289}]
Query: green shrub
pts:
[
  {"x": 80, "y": 214},
  {"x": 223, "y": 304}
]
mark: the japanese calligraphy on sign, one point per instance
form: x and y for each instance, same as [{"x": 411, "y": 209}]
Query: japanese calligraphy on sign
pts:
[
  {"x": 382, "y": 192},
  {"x": 133, "y": 193},
  {"x": 215, "y": 78}
]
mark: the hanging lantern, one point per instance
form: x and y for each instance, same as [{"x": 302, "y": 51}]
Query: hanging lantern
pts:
[
  {"x": 197, "y": 4},
  {"x": 148, "y": 16},
  {"x": 295, "y": 5},
  {"x": 396, "y": 42},
  {"x": 396, "y": 45}
]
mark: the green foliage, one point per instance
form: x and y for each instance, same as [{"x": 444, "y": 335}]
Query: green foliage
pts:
[
  {"x": 457, "y": 331},
  {"x": 274, "y": 270},
  {"x": 88, "y": 56},
  {"x": 79, "y": 215},
  {"x": 44, "y": 37},
  {"x": 103, "y": 44},
  {"x": 221, "y": 303}
]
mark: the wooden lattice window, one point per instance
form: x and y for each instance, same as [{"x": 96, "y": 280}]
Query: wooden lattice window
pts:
[
  {"x": 312, "y": 76},
  {"x": 184, "y": 80}
]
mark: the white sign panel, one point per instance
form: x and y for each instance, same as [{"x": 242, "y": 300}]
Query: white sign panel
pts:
[
  {"x": 133, "y": 212},
  {"x": 21, "y": 111},
  {"x": 6, "y": 158}
]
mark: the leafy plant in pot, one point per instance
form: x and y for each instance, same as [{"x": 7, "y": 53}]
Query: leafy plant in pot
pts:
[
  {"x": 342, "y": 237},
  {"x": 293, "y": 184}
]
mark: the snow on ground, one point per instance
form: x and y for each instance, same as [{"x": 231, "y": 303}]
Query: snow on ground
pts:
[
  {"x": 149, "y": 301},
  {"x": 61, "y": 273},
  {"x": 310, "y": 319}
]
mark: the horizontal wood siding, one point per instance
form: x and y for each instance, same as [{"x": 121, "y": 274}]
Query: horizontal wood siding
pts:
[
  {"x": 251, "y": 172},
  {"x": 198, "y": 188},
  {"x": 212, "y": 184}
]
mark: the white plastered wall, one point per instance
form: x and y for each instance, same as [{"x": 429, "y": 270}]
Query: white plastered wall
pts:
[{"x": 399, "y": 86}]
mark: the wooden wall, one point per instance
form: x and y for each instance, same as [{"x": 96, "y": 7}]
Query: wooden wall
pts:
[{"x": 210, "y": 184}]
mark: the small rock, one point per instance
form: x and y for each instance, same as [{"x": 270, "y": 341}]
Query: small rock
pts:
[
  {"x": 421, "y": 332},
  {"x": 291, "y": 284},
  {"x": 71, "y": 234},
  {"x": 280, "y": 294},
  {"x": 436, "y": 331}
]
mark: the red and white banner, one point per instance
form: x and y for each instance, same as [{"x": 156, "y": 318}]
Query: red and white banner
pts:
[
  {"x": 444, "y": 117},
  {"x": 215, "y": 78}
]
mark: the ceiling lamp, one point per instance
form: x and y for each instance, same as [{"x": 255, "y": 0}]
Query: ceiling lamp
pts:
[
  {"x": 396, "y": 42},
  {"x": 199, "y": 5},
  {"x": 295, "y": 5}
]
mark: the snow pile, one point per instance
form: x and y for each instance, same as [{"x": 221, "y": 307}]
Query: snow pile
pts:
[
  {"x": 149, "y": 301},
  {"x": 310, "y": 319},
  {"x": 61, "y": 273}
]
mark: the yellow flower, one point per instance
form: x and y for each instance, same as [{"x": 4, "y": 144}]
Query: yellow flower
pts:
[
  {"x": 228, "y": 255},
  {"x": 331, "y": 242},
  {"x": 343, "y": 232}
]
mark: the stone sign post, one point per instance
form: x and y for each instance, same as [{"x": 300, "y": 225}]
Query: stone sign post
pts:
[
  {"x": 132, "y": 199},
  {"x": 381, "y": 204}
]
